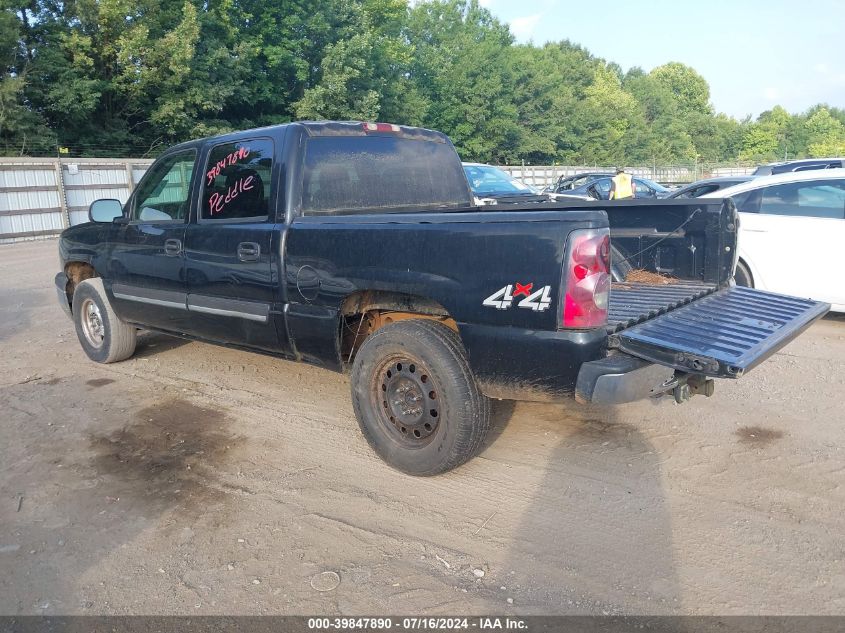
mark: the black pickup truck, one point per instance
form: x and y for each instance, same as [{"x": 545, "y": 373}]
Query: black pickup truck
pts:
[{"x": 356, "y": 246}]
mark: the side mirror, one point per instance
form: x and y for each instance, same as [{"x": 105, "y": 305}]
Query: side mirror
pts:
[{"x": 106, "y": 210}]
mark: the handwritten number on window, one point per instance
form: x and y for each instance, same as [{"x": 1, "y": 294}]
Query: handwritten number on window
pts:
[{"x": 239, "y": 154}]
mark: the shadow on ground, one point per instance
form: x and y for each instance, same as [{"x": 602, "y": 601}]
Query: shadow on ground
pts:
[{"x": 597, "y": 536}]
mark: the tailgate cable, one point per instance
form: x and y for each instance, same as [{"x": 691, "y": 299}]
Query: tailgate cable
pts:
[{"x": 665, "y": 237}]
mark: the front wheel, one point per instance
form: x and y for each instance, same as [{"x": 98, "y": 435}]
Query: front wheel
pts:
[
  {"x": 103, "y": 336},
  {"x": 416, "y": 399}
]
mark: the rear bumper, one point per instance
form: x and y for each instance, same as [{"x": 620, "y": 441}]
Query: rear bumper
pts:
[
  {"x": 61, "y": 293},
  {"x": 536, "y": 365},
  {"x": 620, "y": 378}
]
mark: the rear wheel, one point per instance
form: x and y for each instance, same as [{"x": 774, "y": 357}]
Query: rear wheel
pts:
[
  {"x": 416, "y": 399},
  {"x": 742, "y": 275},
  {"x": 103, "y": 336}
]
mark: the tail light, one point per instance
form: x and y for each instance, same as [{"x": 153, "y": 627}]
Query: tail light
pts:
[{"x": 586, "y": 278}]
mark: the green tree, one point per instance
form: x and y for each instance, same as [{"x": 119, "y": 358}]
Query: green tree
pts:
[
  {"x": 365, "y": 74},
  {"x": 660, "y": 133},
  {"x": 461, "y": 70},
  {"x": 133, "y": 76},
  {"x": 689, "y": 89},
  {"x": 604, "y": 117},
  {"x": 548, "y": 84},
  {"x": 826, "y": 135}
]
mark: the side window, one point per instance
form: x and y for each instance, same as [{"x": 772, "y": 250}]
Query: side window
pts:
[
  {"x": 815, "y": 198},
  {"x": 748, "y": 201},
  {"x": 702, "y": 190},
  {"x": 642, "y": 189},
  {"x": 695, "y": 192},
  {"x": 237, "y": 180},
  {"x": 603, "y": 186},
  {"x": 164, "y": 192}
]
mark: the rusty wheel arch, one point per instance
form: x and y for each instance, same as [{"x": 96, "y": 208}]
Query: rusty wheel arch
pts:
[
  {"x": 365, "y": 311},
  {"x": 77, "y": 272}
]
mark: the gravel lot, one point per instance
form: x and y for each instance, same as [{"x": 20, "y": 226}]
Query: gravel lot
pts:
[{"x": 193, "y": 479}]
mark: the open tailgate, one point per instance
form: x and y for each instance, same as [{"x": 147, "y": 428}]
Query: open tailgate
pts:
[{"x": 724, "y": 334}]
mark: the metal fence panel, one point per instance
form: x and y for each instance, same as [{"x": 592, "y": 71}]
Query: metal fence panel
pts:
[{"x": 41, "y": 196}]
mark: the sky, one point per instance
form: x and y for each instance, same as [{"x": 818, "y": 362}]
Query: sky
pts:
[{"x": 755, "y": 54}]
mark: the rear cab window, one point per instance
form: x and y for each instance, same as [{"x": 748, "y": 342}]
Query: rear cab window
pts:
[
  {"x": 380, "y": 173},
  {"x": 237, "y": 181}
]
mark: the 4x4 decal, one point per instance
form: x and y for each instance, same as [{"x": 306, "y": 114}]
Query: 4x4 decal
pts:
[{"x": 503, "y": 298}]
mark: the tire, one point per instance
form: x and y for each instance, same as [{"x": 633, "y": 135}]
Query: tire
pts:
[
  {"x": 103, "y": 336},
  {"x": 742, "y": 276},
  {"x": 416, "y": 400}
]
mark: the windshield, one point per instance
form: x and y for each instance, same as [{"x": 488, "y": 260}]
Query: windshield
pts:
[
  {"x": 486, "y": 180},
  {"x": 654, "y": 185}
]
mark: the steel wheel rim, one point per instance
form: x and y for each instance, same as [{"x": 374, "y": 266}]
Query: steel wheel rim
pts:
[
  {"x": 92, "y": 323},
  {"x": 407, "y": 401}
]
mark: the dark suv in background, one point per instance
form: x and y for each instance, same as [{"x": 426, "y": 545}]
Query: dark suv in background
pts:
[{"x": 799, "y": 165}]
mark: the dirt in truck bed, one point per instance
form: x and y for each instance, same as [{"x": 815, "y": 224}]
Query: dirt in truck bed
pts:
[
  {"x": 638, "y": 275},
  {"x": 194, "y": 479}
]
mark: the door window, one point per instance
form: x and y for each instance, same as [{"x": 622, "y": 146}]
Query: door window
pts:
[
  {"x": 642, "y": 189},
  {"x": 816, "y": 198},
  {"x": 237, "y": 180},
  {"x": 697, "y": 192},
  {"x": 164, "y": 193},
  {"x": 603, "y": 187}
]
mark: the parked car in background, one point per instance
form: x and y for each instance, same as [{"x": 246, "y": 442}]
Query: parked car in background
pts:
[
  {"x": 599, "y": 189},
  {"x": 804, "y": 164},
  {"x": 565, "y": 184},
  {"x": 792, "y": 232},
  {"x": 491, "y": 185},
  {"x": 707, "y": 185}
]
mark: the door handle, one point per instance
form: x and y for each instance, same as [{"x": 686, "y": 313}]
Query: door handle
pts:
[
  {"x": 249, "y": 251},
  {"x": 172, "y": 247}
]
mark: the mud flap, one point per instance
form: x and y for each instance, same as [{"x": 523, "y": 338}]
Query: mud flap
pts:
[{"x": 722, "y": 335}]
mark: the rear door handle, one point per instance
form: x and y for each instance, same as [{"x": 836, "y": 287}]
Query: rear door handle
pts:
[
  {"x": 249, "y": 251},
  {"x": 172, "y": 247}
]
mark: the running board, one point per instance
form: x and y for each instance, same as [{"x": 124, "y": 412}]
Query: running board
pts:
[{"x": 724, "y": 334}]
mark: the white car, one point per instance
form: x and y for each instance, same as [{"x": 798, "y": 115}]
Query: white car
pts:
[{"x": 792, "y": 234}]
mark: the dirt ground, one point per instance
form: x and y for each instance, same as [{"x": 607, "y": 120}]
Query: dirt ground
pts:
[{"x": 193, "y": 479}]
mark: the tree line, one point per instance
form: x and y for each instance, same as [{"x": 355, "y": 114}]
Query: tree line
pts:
[{"x": 130, "y": 77}]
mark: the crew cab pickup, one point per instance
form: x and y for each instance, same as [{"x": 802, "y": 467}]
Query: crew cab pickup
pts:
[{"x": 357, "y": 247}]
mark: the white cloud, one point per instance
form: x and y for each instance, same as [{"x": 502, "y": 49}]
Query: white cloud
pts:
[
  {"x": 486, "y": 3},
  {"x": 772, "y": 94},
  {"x": 523, "y": 27}
]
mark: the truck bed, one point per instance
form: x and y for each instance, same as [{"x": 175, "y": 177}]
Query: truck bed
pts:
[{"x": 633, "y": 303}]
